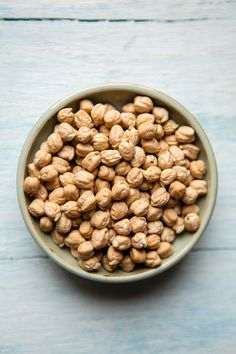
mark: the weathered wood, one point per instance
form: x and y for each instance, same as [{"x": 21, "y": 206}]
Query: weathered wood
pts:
[
  {"x": 187, "y": 310},
  {"x": 160, "y": 10}
]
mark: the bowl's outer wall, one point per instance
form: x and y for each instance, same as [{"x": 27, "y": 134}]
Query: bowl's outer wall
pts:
[{"x": 117, "y": 95}]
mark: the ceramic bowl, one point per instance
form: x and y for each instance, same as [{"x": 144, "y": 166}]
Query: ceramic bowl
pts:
[{"x": 117, "y": 94}]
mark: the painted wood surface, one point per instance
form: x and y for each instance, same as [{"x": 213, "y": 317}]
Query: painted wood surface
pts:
[{"x": 191, "y": 309}]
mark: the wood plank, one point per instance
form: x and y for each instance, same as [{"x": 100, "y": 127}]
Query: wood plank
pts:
[
  {"x": 161, "y": 10},
  {"x": 41, "y": 62},
  {"x": 189, "y": 309}
]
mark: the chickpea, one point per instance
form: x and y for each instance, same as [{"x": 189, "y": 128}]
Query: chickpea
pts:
[
  {"x": 90, "y": 264},
  {"x": 165, "y": 250},
  {"x": 185, "y": 134},
  {"x": 153, "y": 241},
  {"x": 137, "y": 255},
  {"x": 46, "y": 224},
  {"x": 74, "y": 239},
  {"x": 165, "y": 160},
  {"x": 100, "y": 142},
  {"x": 86, "y": 105},
  {"x": 191, "y": 222},
  {"x": 198, "y": 169},
  {"x": 84, "y": 135},
  {"x": 132, "y": 135},
  {"x": 187, "y": 209},
  {"x": 122, "y": 168},
  {"x": 71, "y": 192},
  {"x": 153, "y": 260},
  {"x": 120, "y": 190},
  {"x": 127, "y": 264},
  {"x": 116, "y": 135},
  {"x": 143, "y": 104},
  {"x": 152, "y": 173},
  {"x": 161, "y": 114},
  {"x": 83, "y": 119},
  {"x": 134, "y": 177},
  {"x": 87, "y": 201},
  {"x": 160, "y": 197},
  {"x": 107, "y": 266},
  {"x": 114, "y": 256},
  {"x": 155, "y": 227},
  {"x": 190, "y": 151},
  {"x": 177, "y": 190},
  {"x": 123, "y": 227},
  {"x": 140, "y": 207},
  {"x": 128, "y": 120},
  {"x": 48, "y": 173},
  {"x": 146, "y": 131},
  {"x": 42, "y": 158},
  {"x": 91, "y": 161},
  {"x": 63, "y": 225},
  {"x": 36, "y": 208},
  {"x": 167, "y": 235},
  {"x": 129, "y": 108},
  {"x": 65, "y": 115},
  {"x": 119, "y": 210},
  {"x": 67, "y": 152},
  {"x": 121, "y": 243},
  {"x": 111, "y": 118},
  {"x": 85, "y": 250},
  {"x": 31, "y": 185},
  {"x": 138, "y": 158},
  {"x": 58, "y": 239},
  {"x": 104, "y": 198},
  {"x": 169, "y": 216},
  {"x": 100, "y": 219},
  {"x": 170, "y": 127},
  {"x": 84, "y": 179},
  {"x": 139, "y": 240},
  {"x": 179, "y": 226},
  {"x": 126, "y": 149},
  {"x": 84, "y": 149},
  {"x": 86, "y": 229},
  {"x": 52, "y": 210},
  {"x": 200, "y": 186},
  {"x": 150, "y": 146},
  {"x": 97, "y": 113},
  {"x": 66, "y": 131},
  {"x": 190, "y": 196},
  {"x": 55, "y": 183},
  {"x": 99, "y": 238},
  {"x": 54, "y": 142},
  {"x": 153, "y": 213},
  {"x": 110, "y": 157},
  {"x": 57, "y": 196},
  {"x": 150, "y": 160},
  {"x": 33, "y": 171}
]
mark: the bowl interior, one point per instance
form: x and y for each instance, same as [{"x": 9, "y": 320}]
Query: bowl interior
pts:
[{"x": 117, "y": 97}]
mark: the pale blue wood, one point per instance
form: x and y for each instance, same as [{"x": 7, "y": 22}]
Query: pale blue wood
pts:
[{"x": 188, "y": 310}]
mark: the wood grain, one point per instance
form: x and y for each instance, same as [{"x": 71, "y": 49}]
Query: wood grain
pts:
[
  {"x": 186, "y": 49},
  {"x": 160, "y": 10}
]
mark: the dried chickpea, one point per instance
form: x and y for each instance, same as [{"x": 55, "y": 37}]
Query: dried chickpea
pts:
[
  {"x": 152, "y": 173},
  {"x": 87, "y": 201},
  {"x": 57, "y": 196},
  {"x": 126, "y": 149},
  {"x": 137, "y": 255},
  {"x": 74, "y": 239},
  {"x": 31, "y": 185},
  {"x": 165, "y": 249},
  {"x": 122, "y": 168},
  {"x": 52, "y": 210},
  {"x": 200, "y": 186},
  {"x": 167, "y": 176},
  {"x": 170, "y": 127},
  {"x": 177, "y": 190},
  {"x": 198, "y": 169},
  {"x": 190, "y": 196},
  {"x": 100, "y": 184},
  {"x": 143, "y": 104},
  {"x": 98, "y": 113},
  {"x": 100, "y": 142},
  {"x": 104, "y": 130},
  {"x": 54, "y": 142},
  {"x": 153, "y": 241},
  {"x": 83, "y": 119},
  {"x": 191, "y": 222},
  {"x": 140, "y": 207},
  {"x": 122, "y": 227},
  {"x": 42, "y": 158},
  {"x": 167, "y": 235},
  {"x": 86, "y": 229},
  {"x": 110, "y": 157},
  {"x": 129, "y": 108},
  {"x": 111, "y": 118},
  {"x": 99, "y": 238},
  {"x": 153, "y": 260},
  {"x": 42, "y": 193},
  {"x": 138, "y": 158},
  {"x": 121, "y": 243},
  {"x": 169, "y": 216},
  {"x": 146, "y": 130},
  {"x": 116, "y": 134},
  {"x": 91, "y": 161},
  {"x": 179, "y": 226},
  {"x": 48, "y": 173},
  {"x": 76, "y": 222},
  {"x": 160, "y": 197},
  {"x": 90, "y": 264},
  {"x": 46, "y": 224},
  {"x": 100, "y": 219},
  {"x": 127, "y": 265},
  {"x": 66, "y": 131},
  {"x": 150, "y": 146},
  {"x": 60, "y": 164},
  {"x": 128, "y": 120},
  {"x": 139, "y": 240},
  {"x": 134, "y": 177},
  {"x": 71, "y": 192},
  {"x": 44, "y": 147},
  {"x": 119, "y": 210},
  {"x": 165, "y": 160},
  {"x": 114, "y": 256},
  {"x": 185, "y": 134},
  {"x": 145, "y": 186},
  {"x": 84, "y": 135},
  {"x": 106, "y": 173},
  {"x": 153, "y": 213},
  {"x": 67, "y": 152},
  {"x": 120, "y": 190},
  {"x": 155, "y": 227},
  {"x": 161, "y": 114},
  {"x": 84, "y": 179},
  {"x": 84, "y": 149},
  {"x": 132, "y": 135},
  {"x": 63, "y": 225},
  {"x": 190, "y": 151},
  {"x": 71, "y": 209},
  {"x": 159, "y": 132},
  {"x": 85, "y": 250},
  {"x": 36, "y": 208},
  {"x": 86, "y": 105},
  {"x": 177, "y": 153},
  {"x": 55, "y": 183},
  {"x": 150, "y": 161},
  {"x": 187, "y": 209},
  {"x": 107, "y": 266},
  {"x": 65, "y": 115},
  {"x": 170, "y": 140},
  {"x": 58, "y": 239},
  {"x": 104, "y": 198},
  {"x": 33, "y": 171}
]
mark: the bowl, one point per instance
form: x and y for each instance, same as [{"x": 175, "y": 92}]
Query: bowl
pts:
[{"x": 117, "y": 94}]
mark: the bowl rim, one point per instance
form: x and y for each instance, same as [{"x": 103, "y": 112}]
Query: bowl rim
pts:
[{"x": 139, "y": 89}]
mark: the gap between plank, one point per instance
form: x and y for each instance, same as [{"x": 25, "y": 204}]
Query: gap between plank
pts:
[{"x": 55, "y": 19}]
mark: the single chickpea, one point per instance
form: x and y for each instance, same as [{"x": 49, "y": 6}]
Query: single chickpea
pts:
[
  {"x": 83, "y": 119},
  {"x": 185, "y": 134},
  {"x": 42, "y": 193},
  {"x": 184, "y": 163},
  {"x": 140, "y": 207},
  {"x": 55, "y": 183},
  {"x": 138, "y": 224},
  {"x": 159, "y": 132},
  {"x": 153, "y": 260},
  {"x": 153, "y": 213},
  {"x": 152, "y": 173},
  {"x": 160, "y": 197},
  {"x": 114, "y": 256},
  {"x": 138, "y": 158},
  {"x": 150, "y": 161},
  {"x": 57, "y": 196},
  {"x": 86, "y": 229},
  {"x": 46, "y": 224},
  {"x": 145, "y": 118},
  {"x": 181, "y": 173},
  {"x": 66, "y": 131},
  {"x": 67, "y": 152},
  {"x": 86, "y": 105},
  {"x": 31, "y": 185},
  {"x": 112, "y": 118},
  {"x": 58, "y": 239},
  {"x": 104, "y": 198},
  {"x": 190, "y": 196},
  {"x": 161, "y": 114},
  {"x": 132, "y": 135},
  {"x": 120, "y": 190},
  {"x": 33, "y": 171},
  {"x": 126, "y": 149},
  {"x": 150, "y": 146},
  {"x": 177, "y": 153},
  {"x": 90, "y": 264},
  {"x": 134, "y": 194},
  {"x": 104, "y": 130},
  {"x": 191, "y": 222},
  {"x": 106, "y": 173},
  {"x": 177, "y": 190},
  {"x": 165, "y": 250},
  {"x": 60, "y": 164},
  {"x": 138, "y": 256},
  {"x": 169, "y": 216},
  {"x": 87, "y": 201},
  {"x": 139, "y": 240},
  {"x": 71, "y": 192},
  {"x": 165, "y": 160},
  {"x": 187, "y": 209},
  {"x": 128, "y": 120},
  {"x": 155, "y": 227},
  {"x": 167, "y": 176},
  {"x": 170, "y": 140},
  {"x": 119, "y": 210},
  {"x": 100, "y": 142},
  {"x": 153, "y": 241},
  {"x": 74, "y": 239},
  {"x": 155, "y": 186},
  {"x": 48, "y": 173},
  {"x": 127, "y": 265},
  {"x": 54, "y": 142},
  {"x": 44, "y": 147},
  {"x": 198, "y": 169},
  {"x": 84, "y": 179},
  {"x": 71, "y": 209},
  {"x": 84, "y": 135},
  {"x": 143, "y": 104},
  {"x": 106, "y": 265},
  {"x": 129, "y": 108},
  {"x": 36, "y": 208},
  {"x": 122, "y": 168},
  {"x": 52, "y": 210},
  {"x": 179, "y": 226},
  {"x": 100, "y": 219},
  {"x": 170, "y": 127},
  {"x": 146, "y": 130},
  {"x": 85, "y": 250},
  {"x": 42, "y": 158},
  {"x": 98, "y": 113},
  {"x": 134, "y": 177},
  {"x": 121, "y": 243},
  {"x": 190, "y": 151},
  {"x": 99, "y": 238},
  {"x": 67, "y": 178},
  {"x": 91, "y": 161},
  {"x": 167, "y": 235},
  {"x": 63, "y": 225},
  {"x": 84, "y": 149},
  {"x": 110, "y": 157},
  {"x": 122, "y": 227},
  {"x": 65, "y": 115},
  {"x": 200, "y": 186}
]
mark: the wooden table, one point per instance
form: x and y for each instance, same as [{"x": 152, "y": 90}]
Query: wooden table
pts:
[{"x": 52, "y": 48}]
